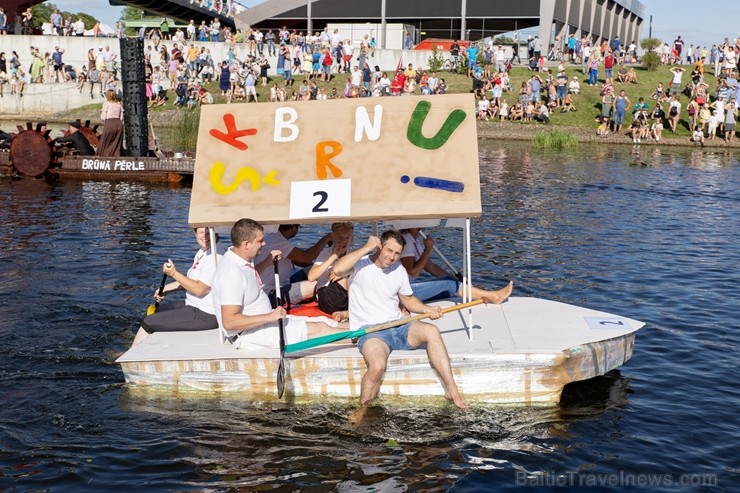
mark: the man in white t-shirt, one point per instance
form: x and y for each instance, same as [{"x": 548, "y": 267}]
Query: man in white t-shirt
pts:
[
  {"x": 378, "y": 284},
  {"x": 242, "y": 308}
]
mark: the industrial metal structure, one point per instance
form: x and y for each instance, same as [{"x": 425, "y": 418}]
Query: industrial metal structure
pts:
[{"x": 459, "y": 19}]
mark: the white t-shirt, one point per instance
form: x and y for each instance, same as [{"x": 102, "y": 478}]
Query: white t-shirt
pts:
[
  {"x": 203, "y": 269},
  {"x": 276, "y": 241},
  {"x": 373, "y": 295},
  {"x": 357, "y": 78},
  {"x": 237, "y": 283}
]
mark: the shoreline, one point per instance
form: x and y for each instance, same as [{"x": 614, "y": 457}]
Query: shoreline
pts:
[
  {"x": 487, "y": 130},
  {"x": 491, "y": 130}
]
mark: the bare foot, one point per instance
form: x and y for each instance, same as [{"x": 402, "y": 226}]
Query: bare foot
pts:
[
  {"x": 357, "y": 416},
  {"x": 499, "y": 296},
  {"x": 457, "y": 399}
]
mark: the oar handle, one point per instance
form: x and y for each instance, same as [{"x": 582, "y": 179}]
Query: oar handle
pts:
[
  {"x": 338, "y": 336},
  {"x": 420, "y": 316}
]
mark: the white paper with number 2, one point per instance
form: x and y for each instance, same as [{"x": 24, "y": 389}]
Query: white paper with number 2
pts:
[{"x": 320, "y": 198}]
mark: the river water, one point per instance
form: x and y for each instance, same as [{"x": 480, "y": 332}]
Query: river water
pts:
[{"x": 651, "y": 234}]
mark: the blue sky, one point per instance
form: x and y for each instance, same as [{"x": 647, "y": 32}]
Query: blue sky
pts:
[{"x": 697, "y": 21}]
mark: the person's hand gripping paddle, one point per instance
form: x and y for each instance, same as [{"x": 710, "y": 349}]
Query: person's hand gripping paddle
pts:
[
  {"x": 153, "y": 308},
  {"x": 281, "y": 366}
]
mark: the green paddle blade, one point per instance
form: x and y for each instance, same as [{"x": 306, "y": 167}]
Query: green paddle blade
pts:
[{"x": 321, "y": 340}]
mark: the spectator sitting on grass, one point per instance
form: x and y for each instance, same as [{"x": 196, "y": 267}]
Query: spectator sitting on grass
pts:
[
  {"x": 568, "y": 104},
  {"x": 603, "y": 129},
  {"x": 574, "y": 87},
  {"x": 542, "y": 113},
  {"x": 697, "y": 136}
]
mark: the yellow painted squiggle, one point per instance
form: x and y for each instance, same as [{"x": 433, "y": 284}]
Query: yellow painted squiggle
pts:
[{"x": 243, "y": 174}]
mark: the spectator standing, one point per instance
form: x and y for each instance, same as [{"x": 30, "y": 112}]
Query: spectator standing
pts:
[
  {"x": 164, "y": 28},
  {"x": 270, "y": 38},
  {"x": 3, "y": 20},
  {"x": 191, "y": 30},
  {"x": 111, "y": 140},
  {"x": 730, "y": 120},
  {"x": 678, "y": 47},
  {"x": 56, "y": 57},
  {"x": 56, "y": 22}
]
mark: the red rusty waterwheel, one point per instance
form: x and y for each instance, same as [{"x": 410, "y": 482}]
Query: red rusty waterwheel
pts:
[{"x": 31, "y": 150}]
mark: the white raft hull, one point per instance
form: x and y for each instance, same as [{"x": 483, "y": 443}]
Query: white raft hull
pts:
[{"x": 523, "y": 351}]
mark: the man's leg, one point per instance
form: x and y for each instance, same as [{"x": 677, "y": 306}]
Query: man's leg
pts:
[
  {"x": 424, "y": 333},
  {"x": 496, "y": 297},
  {"x": 376, "y": 353}
]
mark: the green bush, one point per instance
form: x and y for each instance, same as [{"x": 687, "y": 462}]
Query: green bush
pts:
[
  {"x": 186, "y": 130},
  {"x": 436, "y": 62},
  {"x": 650, "y": 60},
  {"x": 554, "y": 139}
]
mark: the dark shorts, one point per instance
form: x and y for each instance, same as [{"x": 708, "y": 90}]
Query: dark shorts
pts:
[
  {"x": 332, "y": 298},
  {"x": 177, "y": 317},
  {"x": 396, "y": 338}
]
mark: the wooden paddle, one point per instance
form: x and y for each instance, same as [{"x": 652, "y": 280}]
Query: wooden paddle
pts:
[
  {"x": 153, "y": 308},
  {"x": 319, "y": 341},
  {"x": 281, "y": 366}
]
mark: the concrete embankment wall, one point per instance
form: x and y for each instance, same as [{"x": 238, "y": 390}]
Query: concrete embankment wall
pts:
[{"x": 42, "y": 99}]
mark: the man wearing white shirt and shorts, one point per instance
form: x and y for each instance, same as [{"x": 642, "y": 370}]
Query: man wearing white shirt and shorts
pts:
[
  {"x": 378, "y": 283},
  {"x": 243, "y": 309}
]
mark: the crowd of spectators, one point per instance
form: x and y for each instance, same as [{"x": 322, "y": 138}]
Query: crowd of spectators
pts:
[
  {"x": 177, "y": 71},
  {"x": 548, "y": 92}
]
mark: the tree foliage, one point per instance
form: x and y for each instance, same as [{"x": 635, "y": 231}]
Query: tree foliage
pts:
[
  {"x": 651, "y": 59},
  {"x": 131, "y": 14},
  {"x": 436, "y": 61},
  {"x": 650, "y": 44},
  {"x": 42, "y": 13},
  {"x": 503, "y": 40}
]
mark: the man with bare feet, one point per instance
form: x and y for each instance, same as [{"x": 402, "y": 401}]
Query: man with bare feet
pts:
[
  {"x": 377, "y": 286},
  {"x": 415, "y": 258}
]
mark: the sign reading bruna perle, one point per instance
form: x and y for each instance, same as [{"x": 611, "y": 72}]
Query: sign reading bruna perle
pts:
[{"x": 357, "y": 159}]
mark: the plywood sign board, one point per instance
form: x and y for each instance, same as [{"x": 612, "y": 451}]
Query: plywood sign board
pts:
[{"x": 358, "y": 159}]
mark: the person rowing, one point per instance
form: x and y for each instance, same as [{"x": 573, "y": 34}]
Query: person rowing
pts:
[{"x": 196, "y": 312}]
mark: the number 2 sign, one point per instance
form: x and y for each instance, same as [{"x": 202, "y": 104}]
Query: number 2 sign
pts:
[
  {"x": 320, "y": 198},
  {"x": 607, "y": 323}
]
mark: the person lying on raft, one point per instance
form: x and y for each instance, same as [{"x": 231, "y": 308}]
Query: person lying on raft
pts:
[
  {"x": 243, "y": 310},
  {"x": 415, "y": 258},
  {"x": 332, "y": 291},
  {"x": 196, "y": 312}
]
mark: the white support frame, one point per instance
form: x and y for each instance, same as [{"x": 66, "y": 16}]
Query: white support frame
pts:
[{"x": 212, "y": 237}]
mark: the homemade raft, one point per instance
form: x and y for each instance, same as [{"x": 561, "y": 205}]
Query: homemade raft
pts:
[{"x": 389, "y": 159}]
